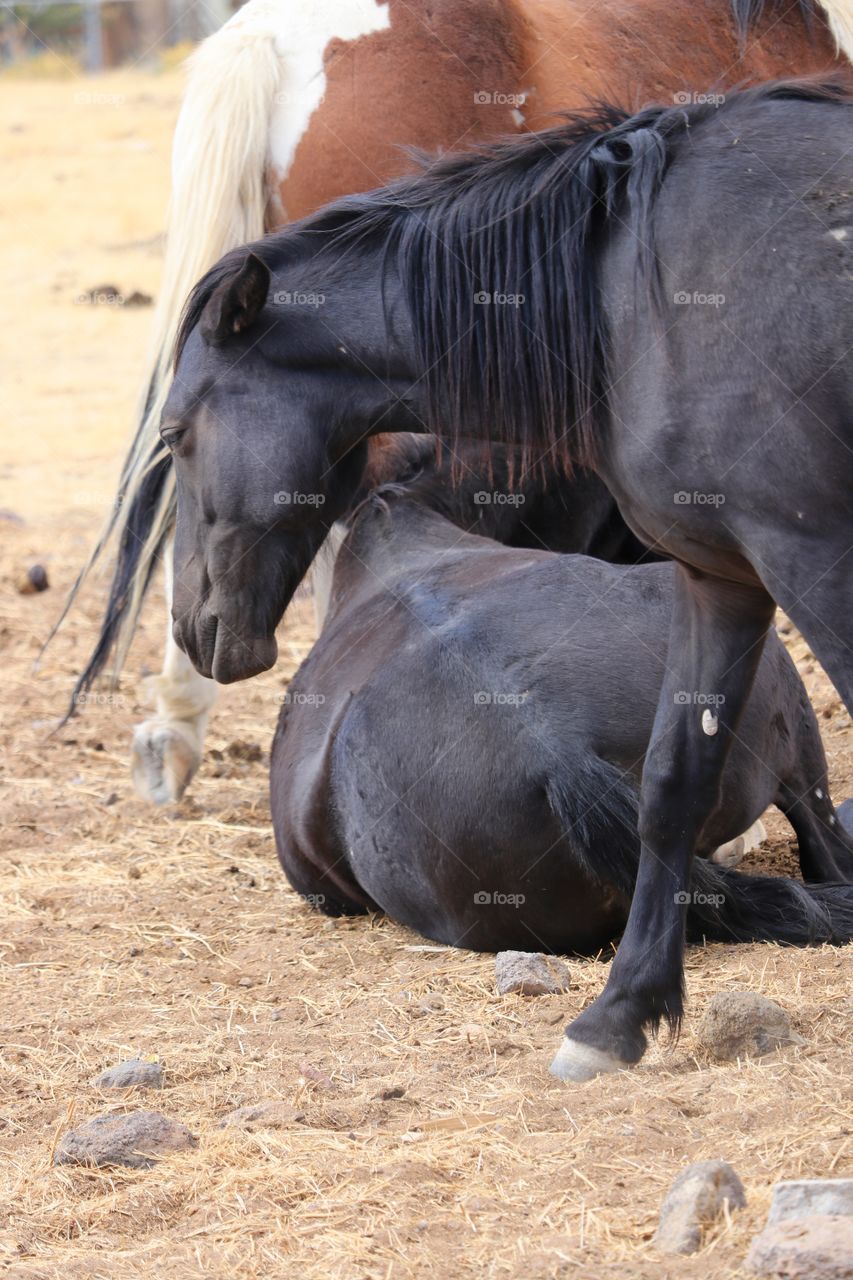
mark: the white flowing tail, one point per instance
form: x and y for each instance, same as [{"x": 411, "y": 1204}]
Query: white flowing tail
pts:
[
  {"x": 220, "y": 195},
  {"x": 839, "y": 16}
]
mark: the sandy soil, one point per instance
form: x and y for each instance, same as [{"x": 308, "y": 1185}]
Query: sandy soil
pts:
[{"x": 421, "y": 1132}]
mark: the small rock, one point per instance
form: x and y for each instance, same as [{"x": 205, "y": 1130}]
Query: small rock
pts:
[
  {"x": 806, "y": 1196},
  {"x": 737, "y": 1023},
  {"x": 262, "y": 1115},
  {"x": 248, "y": 751},
  {"x": 135, "y": 1072},
  {"x": 692, "y": 1203},
  {"x": 138, "y": 299},
  {"x": 137, "y": 1140},
  {"x": 815, "y": 1248},
  {"x": 527, "y": 973},
  {"x": 34, "y": 581}
]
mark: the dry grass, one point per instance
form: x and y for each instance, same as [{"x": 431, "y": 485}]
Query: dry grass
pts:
[{"x": 173, "y": 933}]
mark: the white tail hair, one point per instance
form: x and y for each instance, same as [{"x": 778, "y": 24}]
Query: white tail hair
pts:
[
  {"x": 219, "y": 200},
  {"x": 839, "y": 16}
]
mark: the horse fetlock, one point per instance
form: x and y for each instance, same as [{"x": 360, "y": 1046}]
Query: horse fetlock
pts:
[
  {"x": 165, "y": 757},
  {"x": 182, "y": 697}
]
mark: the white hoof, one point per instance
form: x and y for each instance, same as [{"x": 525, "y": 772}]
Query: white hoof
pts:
[
  {"x": 165, "y": 759},
  {"x": 578, "y": 1062},
  {"x": 734, "y": 851}
]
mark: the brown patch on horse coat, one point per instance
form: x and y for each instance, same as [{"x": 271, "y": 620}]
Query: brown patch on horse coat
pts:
[
  {"x": 443, "y": 54},
  {"x": 559, "y": 54}
]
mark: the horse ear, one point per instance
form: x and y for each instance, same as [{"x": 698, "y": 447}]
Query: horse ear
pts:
[{"x": 237, "y": 302}]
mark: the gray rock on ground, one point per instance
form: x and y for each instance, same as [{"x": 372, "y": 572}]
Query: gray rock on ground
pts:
[
  {"x": 134, "y": 1072},
  {"x": 527, "y": 973},
  {"x": 262, "y": 1115},
  {"x": 137, "y": 1140},
  {"x": 694, "y": 1201},
  {"x": 806, "y": 1196},
  {"x": 819, "y": 1247},
  {"x": 740, "y": 1023}
]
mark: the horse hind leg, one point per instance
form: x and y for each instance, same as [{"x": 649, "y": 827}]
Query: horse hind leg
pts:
[{"x": 167, "y": 748}]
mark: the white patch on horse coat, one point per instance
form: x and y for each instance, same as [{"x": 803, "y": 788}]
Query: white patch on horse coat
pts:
[
  {"x": 302, "y": 30},
  {"x": 710, "y": 723},
  {"x": 818, "y": 793}
]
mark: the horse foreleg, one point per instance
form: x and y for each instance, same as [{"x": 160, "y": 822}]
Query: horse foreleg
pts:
[
  {"x": 716, "y": 639},
  {"x": 167, "y": 748}
]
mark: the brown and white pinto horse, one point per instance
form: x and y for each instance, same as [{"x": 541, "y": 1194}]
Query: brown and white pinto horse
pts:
[{"x": 296, "y": 102}]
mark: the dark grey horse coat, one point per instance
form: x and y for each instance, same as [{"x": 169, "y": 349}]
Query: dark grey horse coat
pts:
[{"x": 463, "y": 748}]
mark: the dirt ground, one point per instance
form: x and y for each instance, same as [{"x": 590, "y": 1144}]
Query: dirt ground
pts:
[{"x": 420, "y": 1130}]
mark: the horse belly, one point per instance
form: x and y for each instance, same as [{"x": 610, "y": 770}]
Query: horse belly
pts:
[{"x": 468, "y": 854}]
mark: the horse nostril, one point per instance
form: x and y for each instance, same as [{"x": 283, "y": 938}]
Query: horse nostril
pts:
[{"x": 207, "y": 626}]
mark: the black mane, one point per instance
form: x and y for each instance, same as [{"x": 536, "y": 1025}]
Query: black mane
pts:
[{"x": 516, "y": 218}]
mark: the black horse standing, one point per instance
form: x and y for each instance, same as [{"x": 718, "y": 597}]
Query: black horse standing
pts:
[{"x": 665, "y": 297}]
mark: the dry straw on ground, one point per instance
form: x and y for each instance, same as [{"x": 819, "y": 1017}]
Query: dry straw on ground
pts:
[{"x": 422, "y": 1133}]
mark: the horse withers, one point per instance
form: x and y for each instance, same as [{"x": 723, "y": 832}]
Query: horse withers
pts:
[
  {"x": 462, "y": 749},
  {"x": 687, "y": 335}
]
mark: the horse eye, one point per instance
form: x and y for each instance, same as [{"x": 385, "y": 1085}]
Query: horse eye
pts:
[{"x": 171, "y": 435}]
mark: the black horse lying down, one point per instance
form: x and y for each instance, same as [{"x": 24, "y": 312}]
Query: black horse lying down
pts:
[{"x": 462, "y": 749}]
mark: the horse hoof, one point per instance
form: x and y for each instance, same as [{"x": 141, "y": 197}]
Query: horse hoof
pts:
[
  {"x": 165, "y": 759},
  {"x": 579, "y": 1062}
]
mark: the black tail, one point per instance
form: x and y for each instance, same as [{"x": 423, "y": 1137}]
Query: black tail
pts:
[
  {"x": 137, "y": 510},
  {"x": 596, "y": 806}
]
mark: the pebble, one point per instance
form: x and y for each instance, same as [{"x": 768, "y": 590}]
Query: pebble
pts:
[
  {"x": 34, "y": 580},
  {"x": 527, "y": 973},
  {"x": 692, "y": 1203},
  {"x": 135, "y": 1072},
  {"x": 137, "y": 1140},
  {"x": 740, "y": 1023}
]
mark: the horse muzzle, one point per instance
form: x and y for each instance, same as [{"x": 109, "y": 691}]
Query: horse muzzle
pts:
[{"x": 218, "y": 651}]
